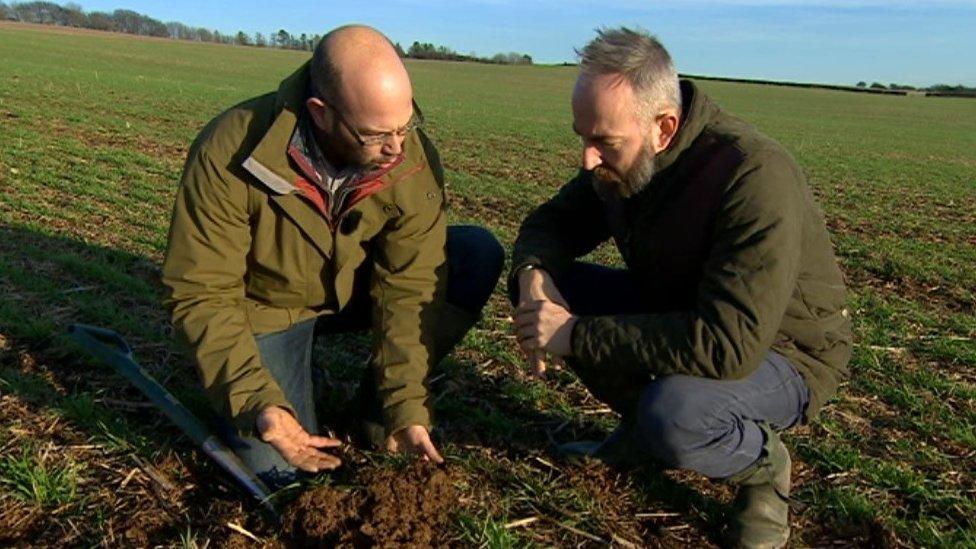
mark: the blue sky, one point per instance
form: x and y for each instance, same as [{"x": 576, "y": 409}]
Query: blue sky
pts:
[{"x": 829, "y": 41}]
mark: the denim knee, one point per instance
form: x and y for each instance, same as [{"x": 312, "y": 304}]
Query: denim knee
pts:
[
  {"x": 670, "y": 420},
  {"x": 475, "y": 258},
  {"x": 690, "y": 423}
]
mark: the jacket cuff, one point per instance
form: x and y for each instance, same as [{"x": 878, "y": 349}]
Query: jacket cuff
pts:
[
  {"x": 578, "y": 338},
  {"x": 245, "y": 419},
  {"x": 405, "y": 414}
]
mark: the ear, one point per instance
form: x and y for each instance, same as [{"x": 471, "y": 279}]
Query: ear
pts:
[
  {"x": 317, "y": 109},
  {"x": 664, "y": 129}
]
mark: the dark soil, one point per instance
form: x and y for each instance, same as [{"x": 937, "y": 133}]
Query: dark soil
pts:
[{"x": 409, "y": 507}]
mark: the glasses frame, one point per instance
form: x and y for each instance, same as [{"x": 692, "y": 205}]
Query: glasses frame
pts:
[{"x": 416, "y": 122}]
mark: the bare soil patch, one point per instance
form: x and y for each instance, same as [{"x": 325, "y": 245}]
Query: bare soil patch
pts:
[{"x": 392, "y": 508}]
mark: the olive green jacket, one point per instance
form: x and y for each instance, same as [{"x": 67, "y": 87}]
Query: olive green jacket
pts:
[
  {"x": 251, "y": 251},
  {"x": 730, "y": 252}
]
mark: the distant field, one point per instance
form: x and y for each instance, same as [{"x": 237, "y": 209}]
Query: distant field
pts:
[{"x": 94, "y": 129}]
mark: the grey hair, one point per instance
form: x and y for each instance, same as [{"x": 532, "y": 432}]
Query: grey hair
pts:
[{"x": 641, "y": 60}]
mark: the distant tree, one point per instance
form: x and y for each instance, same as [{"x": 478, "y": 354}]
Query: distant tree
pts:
[
  {"x": 179, "y": 31},
  {"x": 862, "y": 84},
  {"x": 511, "y": 58},
  {"x": 878, "y": 86},
  {"x": 136, "y": 23},
  {"x": 4, "y": 12},
  {"x": 259, "y": 40},
  {"x": 43, "y": 13},
  {"x": 74, "y": 15},
  {"x": 242, "y": 39},
  {"x": 99, "y": 20},
  {"x": 203, "y": 35},
  {"x": 399, "y": 50},
  {"x": 422, "y": 51},
  {"x": 284, "y": 39}
]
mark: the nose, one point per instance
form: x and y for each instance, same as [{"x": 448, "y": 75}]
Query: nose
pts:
[
  {"x": 591, "y": 157},
  {"x": 394, "y": 145}
]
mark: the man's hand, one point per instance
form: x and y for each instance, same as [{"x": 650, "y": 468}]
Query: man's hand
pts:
[
  {"x": 282, "y": 431},
  {"x": 544, "y": 325},
  {"x": 535, "y": 285},
  {"x": 413, "y": 440}
]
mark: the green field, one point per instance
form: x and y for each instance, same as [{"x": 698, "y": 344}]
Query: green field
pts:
[{"x": 93, "y": 132}]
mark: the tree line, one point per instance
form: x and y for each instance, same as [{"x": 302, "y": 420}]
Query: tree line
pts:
[
  {"x": 938, "y": 88},
  {"x": 426, "y": 50},
  {"x": 131, "y": 22}
]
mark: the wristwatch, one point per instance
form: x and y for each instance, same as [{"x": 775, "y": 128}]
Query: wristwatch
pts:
[{"x": 526, "y": 267}]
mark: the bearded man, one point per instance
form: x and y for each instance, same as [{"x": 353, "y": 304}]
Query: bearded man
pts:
[{"x": 727, "y": 324}]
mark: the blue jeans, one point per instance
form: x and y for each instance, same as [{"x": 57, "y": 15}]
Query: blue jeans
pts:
[
  {"x": 705, "y": 425},
  {"x": 474, "y": 263}
]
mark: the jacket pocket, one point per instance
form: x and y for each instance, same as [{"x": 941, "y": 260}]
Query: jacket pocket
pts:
[{"x": 263, "y": 319}]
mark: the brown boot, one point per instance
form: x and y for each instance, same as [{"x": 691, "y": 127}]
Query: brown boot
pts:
[{"x": 762, "y": 504}]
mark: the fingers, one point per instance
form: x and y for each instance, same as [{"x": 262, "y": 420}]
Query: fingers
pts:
[
  {"x": 529, "y": 306},
  {"x": 430, "y": 452},
  {"x": 311, "y": 460},
  {"x": 323, "y": 442},
  {"x": 301, "y": 450},
  {"x": 414, "y": 440},
  {"x": 539, "y": 363},
  {"x": 307, "y": 458}
]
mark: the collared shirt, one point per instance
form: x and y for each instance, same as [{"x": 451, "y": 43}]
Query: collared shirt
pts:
[{"x": 337, "y": 185}]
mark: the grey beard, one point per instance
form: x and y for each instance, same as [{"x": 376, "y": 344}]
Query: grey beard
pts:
[
  {"x": 638, "y": 177},
  {"x": 632, "y": 182}
]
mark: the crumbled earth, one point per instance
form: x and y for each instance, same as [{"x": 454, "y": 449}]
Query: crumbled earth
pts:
[{"x": 407, "y": 507}]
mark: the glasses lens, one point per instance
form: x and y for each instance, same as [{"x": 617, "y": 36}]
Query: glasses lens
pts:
[{"x": 378, "y": 139}]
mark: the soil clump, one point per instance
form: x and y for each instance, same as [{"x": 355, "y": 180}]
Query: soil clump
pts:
[{"x": 383, "y": 507}]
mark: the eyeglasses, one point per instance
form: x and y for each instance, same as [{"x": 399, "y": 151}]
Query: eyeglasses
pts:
[{"x": 382, "y": 138}]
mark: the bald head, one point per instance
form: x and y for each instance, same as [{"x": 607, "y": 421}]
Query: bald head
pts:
[
  {"x": 357, "y": 69},
  {"x": 362, "y": 101}
]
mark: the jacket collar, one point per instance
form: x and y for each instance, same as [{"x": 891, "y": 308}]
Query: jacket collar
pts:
[
  {"x": 696, "y": 113},
  {"x": 270, "y": 161}
]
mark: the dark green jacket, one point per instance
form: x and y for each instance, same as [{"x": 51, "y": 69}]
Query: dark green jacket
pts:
[
  {"x": 251, "y": 251},
  {"x": 730, "y": 251}
]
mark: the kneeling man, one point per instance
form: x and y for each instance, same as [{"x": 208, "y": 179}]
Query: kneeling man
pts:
[
  {"x": 727, "y": 324},
  {"x": 320, "y": 208}
]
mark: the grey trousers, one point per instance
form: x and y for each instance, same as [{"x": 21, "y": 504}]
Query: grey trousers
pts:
[
  {"x": 710, "y": 425},
  {"x": 287, "y": 355},
  {"x": 706, "y": 425}
]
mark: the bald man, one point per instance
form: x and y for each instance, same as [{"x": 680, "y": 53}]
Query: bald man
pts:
[{"x": 316, "y": 209}]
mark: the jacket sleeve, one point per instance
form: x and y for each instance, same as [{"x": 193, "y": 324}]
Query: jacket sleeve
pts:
[
  {"x": 748, "y": 278},
  {"x": 407, "y": 256},
  {"x": 203, "y": 272},
  {"x": 570, "y": 225}
]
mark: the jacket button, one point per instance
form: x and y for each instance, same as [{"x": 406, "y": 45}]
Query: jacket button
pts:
[
  {"x": 390, "y": 209},
  {"x": 431, "y": 195}
]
